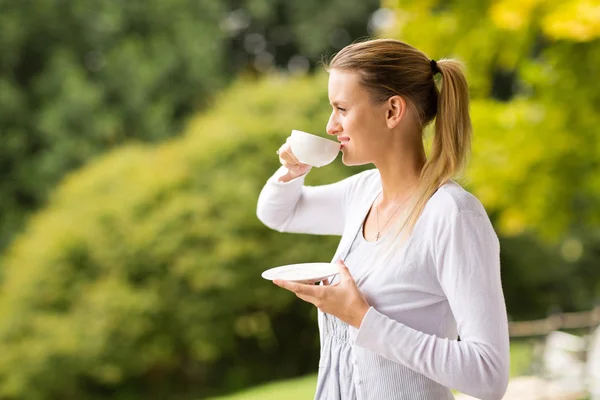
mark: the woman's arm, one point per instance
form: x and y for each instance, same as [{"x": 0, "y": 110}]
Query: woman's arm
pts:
[
  {"x": 468, "y": 266},
  {"x": 295, "y": 208}
]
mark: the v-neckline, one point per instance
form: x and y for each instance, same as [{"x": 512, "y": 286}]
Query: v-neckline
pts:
[
  {"x": 360, "y": 223},
  {"x": 357, "y": 230},
  {"x": 361, "y": 229}
]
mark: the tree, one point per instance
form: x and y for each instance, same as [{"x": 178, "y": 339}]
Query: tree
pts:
[
  {"x": 141, "y": 278},
  {"x": 78, "y": 78},
  {"x": 536, "y": 144},
  {"x": 293, "y": 35}
]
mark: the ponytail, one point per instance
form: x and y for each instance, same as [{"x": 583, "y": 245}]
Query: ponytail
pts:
[
  {"x": 449, "y": 152},
  {"x": 452, "y": 137}
]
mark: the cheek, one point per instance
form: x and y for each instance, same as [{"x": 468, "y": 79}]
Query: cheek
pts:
[
  {"x": 357, "y": 126},
  {"x": 350, "y": 121}
]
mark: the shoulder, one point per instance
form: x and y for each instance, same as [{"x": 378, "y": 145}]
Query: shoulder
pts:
[
  {"x": 451, "y": 198},
  {"x": 449, "y": 203},
  {"x": 455, "y": 219}
]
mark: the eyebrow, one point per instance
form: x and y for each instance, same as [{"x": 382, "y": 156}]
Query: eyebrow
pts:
[{"x": 337, "y": 103}]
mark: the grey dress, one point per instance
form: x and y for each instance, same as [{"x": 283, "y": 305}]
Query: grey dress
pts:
[{"x": 337, "y": 376}]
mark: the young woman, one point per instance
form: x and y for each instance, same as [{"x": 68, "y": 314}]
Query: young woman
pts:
[{"x": 418, "y": 257}]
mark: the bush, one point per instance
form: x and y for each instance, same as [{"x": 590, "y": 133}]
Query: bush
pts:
[
  {"x": 78, "y": 78},
  {"x": 142, "y": 276}
]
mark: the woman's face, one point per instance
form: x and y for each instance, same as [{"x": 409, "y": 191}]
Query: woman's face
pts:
[{"x": 358, "y": 124}]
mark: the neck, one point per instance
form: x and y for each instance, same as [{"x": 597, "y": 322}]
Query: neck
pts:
[{"x": 400, "y": 169}]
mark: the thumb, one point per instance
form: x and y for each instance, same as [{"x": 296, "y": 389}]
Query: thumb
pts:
[{"x": 344, "y": 272}]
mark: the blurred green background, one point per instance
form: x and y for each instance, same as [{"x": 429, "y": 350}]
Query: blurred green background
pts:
[{"x": 135, "y": 137}]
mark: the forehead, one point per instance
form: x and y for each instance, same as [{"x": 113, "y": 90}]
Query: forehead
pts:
[{"x": 343, "y": 86}]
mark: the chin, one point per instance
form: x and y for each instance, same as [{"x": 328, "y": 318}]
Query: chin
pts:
[{"x": 350, "y": 161}]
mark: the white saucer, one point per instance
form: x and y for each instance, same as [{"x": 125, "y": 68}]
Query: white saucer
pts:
[{"x": 313, "y": 272}]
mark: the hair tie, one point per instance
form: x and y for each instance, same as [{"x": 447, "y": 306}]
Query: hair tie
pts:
[{"x": 434, "y": 67}]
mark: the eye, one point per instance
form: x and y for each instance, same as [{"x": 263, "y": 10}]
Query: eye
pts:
[{"x": 341, "y": 109}]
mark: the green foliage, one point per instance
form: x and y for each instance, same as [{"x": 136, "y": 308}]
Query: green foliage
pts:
[
  {"x": 80, "y": 77},
  {"x": 141, "y": 279},
  {"x": 284, "y": 29},
  {"x": 531, "y": 68},
  {"x": 89, "y": 309},
  {"x": 144, "y": 270},
  {"x": 533, "y": 102}
]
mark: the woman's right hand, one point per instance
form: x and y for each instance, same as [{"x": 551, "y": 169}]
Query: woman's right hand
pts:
[{"x": 288, "y": 160}]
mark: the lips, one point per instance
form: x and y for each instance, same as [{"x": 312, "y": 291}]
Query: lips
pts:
[{"x": 343, "y": 139}]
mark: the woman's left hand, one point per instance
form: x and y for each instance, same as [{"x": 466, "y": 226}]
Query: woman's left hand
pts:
[{"x": 342, "y": 300}]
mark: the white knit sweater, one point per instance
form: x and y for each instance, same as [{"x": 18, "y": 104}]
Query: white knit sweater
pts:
[{"x": 445, "y": 282}]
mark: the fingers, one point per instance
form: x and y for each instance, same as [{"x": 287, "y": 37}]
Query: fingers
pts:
[
  {"x": 308, "y": 282},
  {"x": 288, "y": 146},
  {"x": 284, "y": 284},
  {"x": 300, "y": 289},
  {"x": 295, "y": 287},
  {"x": 289, "y": 160},
  {"x": 344, "y": 272},
  {"x": 286, "y": 154},
  {"x": 327, "y": 282}
]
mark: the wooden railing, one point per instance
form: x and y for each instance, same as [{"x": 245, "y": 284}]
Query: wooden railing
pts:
[{"x": 542, "y": 327}]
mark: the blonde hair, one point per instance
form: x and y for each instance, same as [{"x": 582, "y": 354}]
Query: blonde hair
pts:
[{"x": 388, "y": 67}]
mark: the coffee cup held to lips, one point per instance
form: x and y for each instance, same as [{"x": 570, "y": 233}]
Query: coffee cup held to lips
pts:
[{"x": 312, "y": 149}]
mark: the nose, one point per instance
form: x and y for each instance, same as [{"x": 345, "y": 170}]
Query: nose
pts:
[{"x": 333, "y": 126}]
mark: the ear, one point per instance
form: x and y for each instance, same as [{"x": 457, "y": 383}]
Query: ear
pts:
[{"x": 396, "y": 109}]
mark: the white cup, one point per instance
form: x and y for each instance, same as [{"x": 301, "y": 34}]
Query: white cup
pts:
[{"x": 312, "y": 149}]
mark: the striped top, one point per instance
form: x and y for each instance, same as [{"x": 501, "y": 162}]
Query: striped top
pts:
[{"x": 445, "y": 281}]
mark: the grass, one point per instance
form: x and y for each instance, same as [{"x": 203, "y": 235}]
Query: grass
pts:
[
  {"x": 304, "y": 388},
  {"x": 521, "y": 356},
  {"x": 293, "y": 389}
]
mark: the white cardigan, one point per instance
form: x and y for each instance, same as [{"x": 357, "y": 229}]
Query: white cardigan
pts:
[{"x": 443, "y": 283}]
